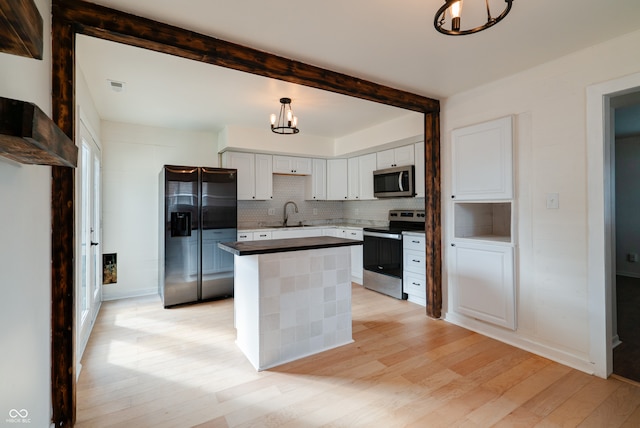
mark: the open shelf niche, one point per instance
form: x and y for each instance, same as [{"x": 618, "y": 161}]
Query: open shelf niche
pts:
[{"x": 487, "y": 221}]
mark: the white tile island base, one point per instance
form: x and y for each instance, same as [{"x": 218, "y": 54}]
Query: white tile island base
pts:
[{"x": 289, "y": 305}]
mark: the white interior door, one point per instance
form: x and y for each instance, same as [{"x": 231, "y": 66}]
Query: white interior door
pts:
[{"x": 89, "y": 234}]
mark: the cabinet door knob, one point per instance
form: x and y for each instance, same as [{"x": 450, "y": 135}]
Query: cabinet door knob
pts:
[
  {"x": 453, "y": 196},
  {"x": 453, "y": 245}
]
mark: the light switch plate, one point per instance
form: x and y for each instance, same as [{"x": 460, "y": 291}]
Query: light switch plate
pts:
[{"x": 553, "y": 201}]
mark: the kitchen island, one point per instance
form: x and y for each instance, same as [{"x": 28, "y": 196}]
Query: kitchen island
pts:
[{"x": 292, "y": 297}]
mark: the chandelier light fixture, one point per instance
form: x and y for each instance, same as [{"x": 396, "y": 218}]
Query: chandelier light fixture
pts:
[
  {"x": 452, "y": 10},
  {"x": 285, "y": 122}
]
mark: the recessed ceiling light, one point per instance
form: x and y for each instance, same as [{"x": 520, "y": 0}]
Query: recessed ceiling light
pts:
[{"x": 116, "y": 86}]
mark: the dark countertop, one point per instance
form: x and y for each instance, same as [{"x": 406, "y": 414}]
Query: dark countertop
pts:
[{"x": 246, "y": 248}]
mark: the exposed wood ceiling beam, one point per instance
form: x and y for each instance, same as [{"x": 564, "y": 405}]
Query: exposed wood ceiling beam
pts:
[{"x": 21, "y": 30}]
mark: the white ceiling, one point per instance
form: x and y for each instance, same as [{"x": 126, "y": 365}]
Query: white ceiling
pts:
[{"x": 389, "y": 42}]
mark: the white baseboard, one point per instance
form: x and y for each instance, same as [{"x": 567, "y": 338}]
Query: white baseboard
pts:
[
  {"x": 126, "y": 294},
  {"x": 615, "y": 341}
]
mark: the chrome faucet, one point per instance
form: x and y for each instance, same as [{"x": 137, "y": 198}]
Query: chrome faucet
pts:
[{"x": 286, "y": 216}]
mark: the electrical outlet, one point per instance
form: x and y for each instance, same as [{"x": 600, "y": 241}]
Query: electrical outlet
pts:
[
  {"x": 553, "y": 201},
  {"x": 271, "y": 211},
  {"x": 632, "y": 257}
]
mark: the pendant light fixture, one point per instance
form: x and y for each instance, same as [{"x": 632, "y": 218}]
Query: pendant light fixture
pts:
[
  {"x": 453, "y": 9},
  {"x": 285, "y": 122}
]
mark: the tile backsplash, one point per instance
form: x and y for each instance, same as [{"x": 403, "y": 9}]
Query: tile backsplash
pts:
[{"x": 255, "y": 214}]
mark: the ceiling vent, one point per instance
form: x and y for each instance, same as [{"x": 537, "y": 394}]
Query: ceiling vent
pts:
[{"x": 116, "y": 86}]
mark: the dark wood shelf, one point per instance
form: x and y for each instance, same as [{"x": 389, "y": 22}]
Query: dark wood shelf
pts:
[
  {"x": 21, "y": 31},
  {"x": 29, "y": 136}
]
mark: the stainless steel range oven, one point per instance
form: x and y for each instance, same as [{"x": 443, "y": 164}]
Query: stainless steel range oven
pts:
[{"x": 382, "y": 252}]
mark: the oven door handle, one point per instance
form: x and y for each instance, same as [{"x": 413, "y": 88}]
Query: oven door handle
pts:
[{"x": 396, "y": 236}]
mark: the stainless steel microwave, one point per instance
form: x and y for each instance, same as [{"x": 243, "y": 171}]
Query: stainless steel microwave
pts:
[{"x": 394, "y": 182}]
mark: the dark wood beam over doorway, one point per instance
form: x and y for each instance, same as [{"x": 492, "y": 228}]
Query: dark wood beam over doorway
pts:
[{"x": 71, "y": 17}]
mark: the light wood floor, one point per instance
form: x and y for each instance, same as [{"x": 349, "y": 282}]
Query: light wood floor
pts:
[{"x": 146, "y": 366}]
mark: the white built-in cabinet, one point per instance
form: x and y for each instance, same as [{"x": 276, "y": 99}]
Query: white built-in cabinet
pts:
[
  {"x": 483, "y": 161},
  {"x": 484, "y": 282},
  {"x": 337, "y": 185},
  {"x": 482, "y": 248},
  {"x": 255, "y": 175},
  {"x": 400, "y": 156},
  {"x": 316, "y": 183},
  {"x": 292, "y": 165}
]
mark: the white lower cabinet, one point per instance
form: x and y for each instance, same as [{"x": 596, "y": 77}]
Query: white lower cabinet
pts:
[
  {"x": 245, "y": 236},
  {"x": 261, "y": 235},
  {"x": 414, "y": 271},
  {"x": 483, "y": 281},
  {"x": 356, "y": 253},
  {"x": 300, "y": 232}
]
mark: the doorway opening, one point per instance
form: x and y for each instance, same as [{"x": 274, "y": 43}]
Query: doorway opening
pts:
[
  {"x": 601, "y": 102},
  {"x": 626, "y": 265}
]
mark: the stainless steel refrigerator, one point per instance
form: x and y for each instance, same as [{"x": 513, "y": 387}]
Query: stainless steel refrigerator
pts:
[{"x": 198, "y": 210}]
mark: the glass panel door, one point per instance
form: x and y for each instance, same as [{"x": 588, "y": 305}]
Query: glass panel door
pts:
[{"x": 89, "y": 236}]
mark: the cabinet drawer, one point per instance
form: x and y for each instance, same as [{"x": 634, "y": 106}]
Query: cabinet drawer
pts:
[
  {"x": 353, "y": 234},
  {"x": 258, "y": 236},
  {"x": 414, "y": 284},
  {"x": 245, "y": 236},
  {"x": 414, "y": 261},
  {"x": 411, "y": 242}
]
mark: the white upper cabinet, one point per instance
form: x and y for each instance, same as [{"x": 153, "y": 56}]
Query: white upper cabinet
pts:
[
  {"x": 361, "y": 176},
  {"x": 255, "y": 181},
  {"x": 353, "y": 169},
  {"x": 337, "y": 186},
  {"x": 482, "y": 157},
  {"x": 316, "y": 184},
  {"x": 264, "y": 177},
  {"x": 366, "y": 166},
  {"x": 291, "y": 165},
  {"x": 400, "y": 156}
]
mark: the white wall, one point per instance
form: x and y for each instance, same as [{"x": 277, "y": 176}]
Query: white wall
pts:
[
  {"x": 25, "y": 252},
  {"x": 407, "y": 129},
  {"x": 627, "y": 173},
  {"x": 132, "y": 158},
  {"x": 549, "y": 104}
]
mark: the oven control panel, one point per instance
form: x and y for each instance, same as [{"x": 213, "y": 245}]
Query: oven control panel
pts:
[{"x": 407, "y": 215}]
